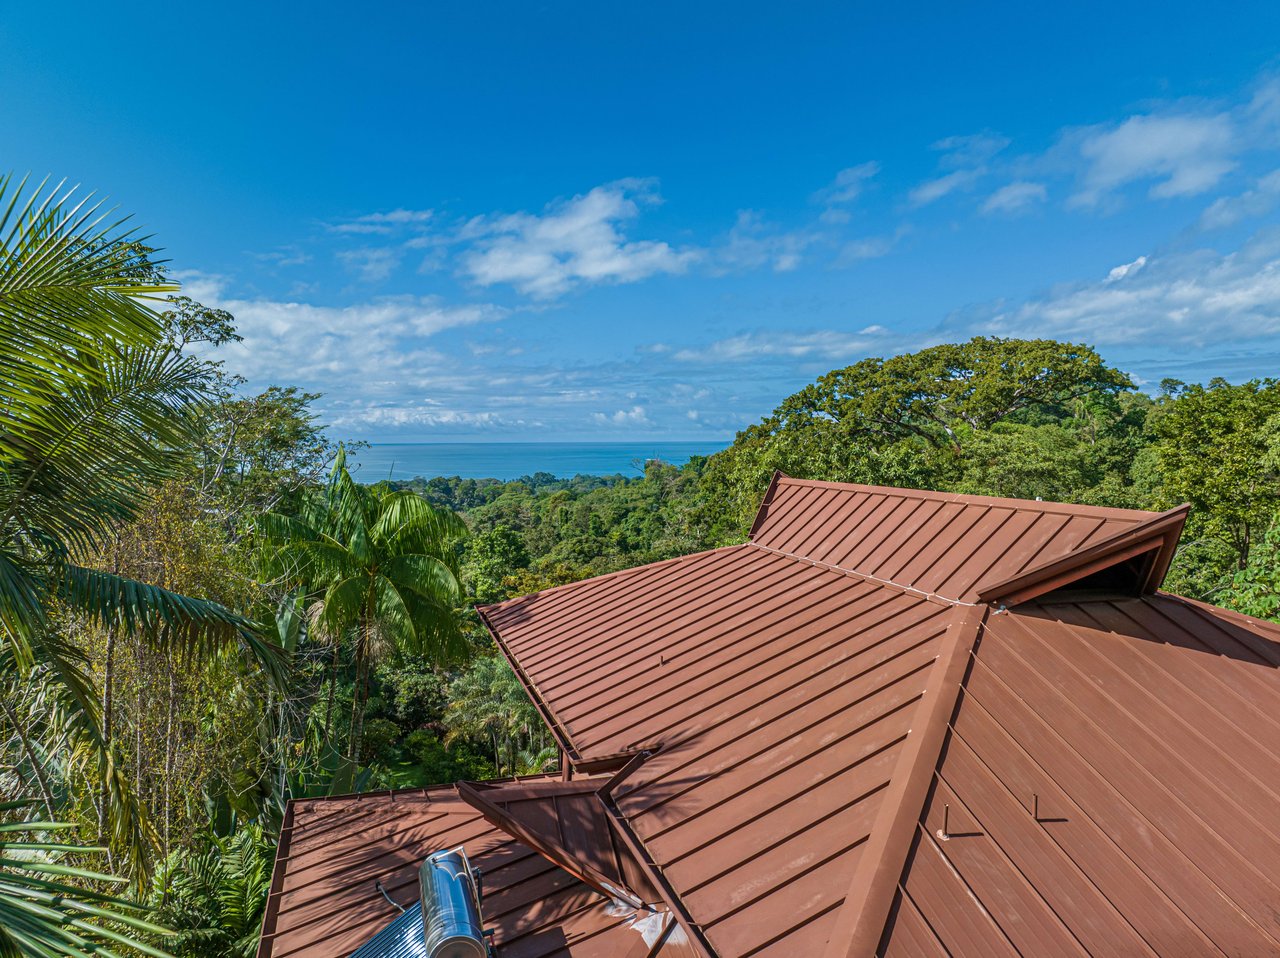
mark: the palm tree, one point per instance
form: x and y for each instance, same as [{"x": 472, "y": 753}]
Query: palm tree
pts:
[
  {"x": 382, "y": 566},
  {"x": 95, "y": 410},
  {"x": 488, "y": 703}
]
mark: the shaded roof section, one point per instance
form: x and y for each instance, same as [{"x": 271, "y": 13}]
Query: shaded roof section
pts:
[
  {"x": 325, "y": 901},
  {"x": 1108, "y": 786},
  {"x": 940, "y": 543},
  {"x": 571, "y": 824}
]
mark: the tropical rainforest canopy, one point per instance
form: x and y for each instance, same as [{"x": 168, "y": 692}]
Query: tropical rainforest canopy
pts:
[{"x": 204, "y": 615}]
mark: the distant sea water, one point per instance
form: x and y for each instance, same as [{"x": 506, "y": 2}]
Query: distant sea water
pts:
[{"x": 511, "y": 460}]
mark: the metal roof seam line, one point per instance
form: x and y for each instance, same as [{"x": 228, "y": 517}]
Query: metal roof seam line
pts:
[{"x": 865, "y": 577}]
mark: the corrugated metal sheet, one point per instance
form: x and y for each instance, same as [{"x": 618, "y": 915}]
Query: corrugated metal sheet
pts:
[
  {"x": 1110, "y": 786},
  {"x": 403, "y": 938}
]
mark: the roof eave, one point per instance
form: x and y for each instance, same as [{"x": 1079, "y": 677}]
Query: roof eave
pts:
[{"x": 553, "y": 722}]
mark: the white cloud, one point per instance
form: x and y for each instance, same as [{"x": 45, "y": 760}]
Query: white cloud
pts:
[
  {"x": 1186, "y": 301},
  {"x": 848, "y": 184},
  {"x": 382, "y": 223},
  {"x": 1184, "y": 154},
  {"x": 283, "y": 257},
  {"x": 373, "y": 264},
  {"x": 367, "y": 347},
  {"x": 426, "y": 413},
  {"x": 776, "y": 344},
  {"x": 1229, "y": 210},
  {"x": 1014, "y": 198},
  {"x": 869, "y": 247},
  {"x": 967, "y": 157},
  {"x": 1126, "y": 269},
  {"x": 933, "y": 190},
  {"x": 754, "y": 244},
  {"x": 572, "y": 243},
  {"x": 635, "y": 416}
]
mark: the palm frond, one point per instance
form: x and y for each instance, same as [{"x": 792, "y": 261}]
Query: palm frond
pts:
[
  {"x": 109, "y": 434},
  {"x": 72, "y": 284},
  {"x": 43, "y": 915}
]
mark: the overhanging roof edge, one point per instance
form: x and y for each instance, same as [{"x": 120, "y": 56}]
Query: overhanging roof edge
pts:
[{"x": 548, "y": 714}]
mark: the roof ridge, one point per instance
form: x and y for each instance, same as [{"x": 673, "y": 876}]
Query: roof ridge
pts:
[
  {"x": 861, "y": 919},
  {"x": 1043, "y": 505},
  {"x": 606, "y": 576},
  {"x": 864, "y": 576}
]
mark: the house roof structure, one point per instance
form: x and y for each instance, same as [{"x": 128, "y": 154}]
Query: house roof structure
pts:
[{"x": 891, "y": 723}]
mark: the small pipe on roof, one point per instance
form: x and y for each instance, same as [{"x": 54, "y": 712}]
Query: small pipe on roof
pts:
[{"x": 378, "y": 885}]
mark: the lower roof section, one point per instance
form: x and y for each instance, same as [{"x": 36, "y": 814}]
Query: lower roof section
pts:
[
  {"x": 1109, "y": 786},
  {"x": 326, "y": 902}
]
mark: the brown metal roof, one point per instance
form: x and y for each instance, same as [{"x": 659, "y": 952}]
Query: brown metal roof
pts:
[
  {"x": 1108, "y": 786},
  {"x": 785, "y": 725},
  {"x": 937, "y": 542},
  {"x": 325, "y": 903}
]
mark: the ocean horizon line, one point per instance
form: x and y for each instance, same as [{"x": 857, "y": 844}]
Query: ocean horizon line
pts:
[
  {"x": 507, "y": 460},
  {"x": 548, "y": 442}
]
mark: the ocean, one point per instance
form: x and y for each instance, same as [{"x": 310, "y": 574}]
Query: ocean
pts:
[{"x": 511, "y": 460}]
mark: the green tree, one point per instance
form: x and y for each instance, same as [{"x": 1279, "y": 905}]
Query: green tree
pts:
[
  {"x": 1255, "y": 589},
  {"x": 493, "y": 555},
  {"x": 382, "y": 564},
  {"x": 488, "y": 704},
  {"x": 1214, "y": 450},
  {"x": 215, "y": 895},
  {"x": 915, "y": 419},
  {"x": 96, "y": 409}
]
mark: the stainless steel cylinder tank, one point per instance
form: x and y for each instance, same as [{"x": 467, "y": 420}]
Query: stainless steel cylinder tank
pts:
[{"x": 451, "y": 907}]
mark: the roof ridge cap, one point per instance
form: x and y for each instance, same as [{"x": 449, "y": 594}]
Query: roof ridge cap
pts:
[
  {"x": 1044, "y": 505},
  {"x": 864, "y": 576},
  {"x": 861, "y": 919}
]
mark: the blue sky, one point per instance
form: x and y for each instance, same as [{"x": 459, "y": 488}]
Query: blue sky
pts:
[{"x": 576, "y": 221}]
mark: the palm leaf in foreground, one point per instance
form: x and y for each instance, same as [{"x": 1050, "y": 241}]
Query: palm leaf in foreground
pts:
[{"x": 43, "y": 915}]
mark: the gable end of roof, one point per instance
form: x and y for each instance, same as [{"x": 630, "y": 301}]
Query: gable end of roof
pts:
[{"x": 1155, "y": 539}]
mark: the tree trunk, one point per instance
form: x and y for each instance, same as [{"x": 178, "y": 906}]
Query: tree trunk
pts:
[
  {"x": 170, "y": 750},
  {"x": 333, "y": 685},
  {"x": 108, "y": 726}
]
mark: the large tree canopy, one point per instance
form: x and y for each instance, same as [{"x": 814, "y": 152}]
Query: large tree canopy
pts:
[
  {"x": 1216, "y": 450},
  {"x": 919, "y": 418},
  {"x": 939, "y": 393}
]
